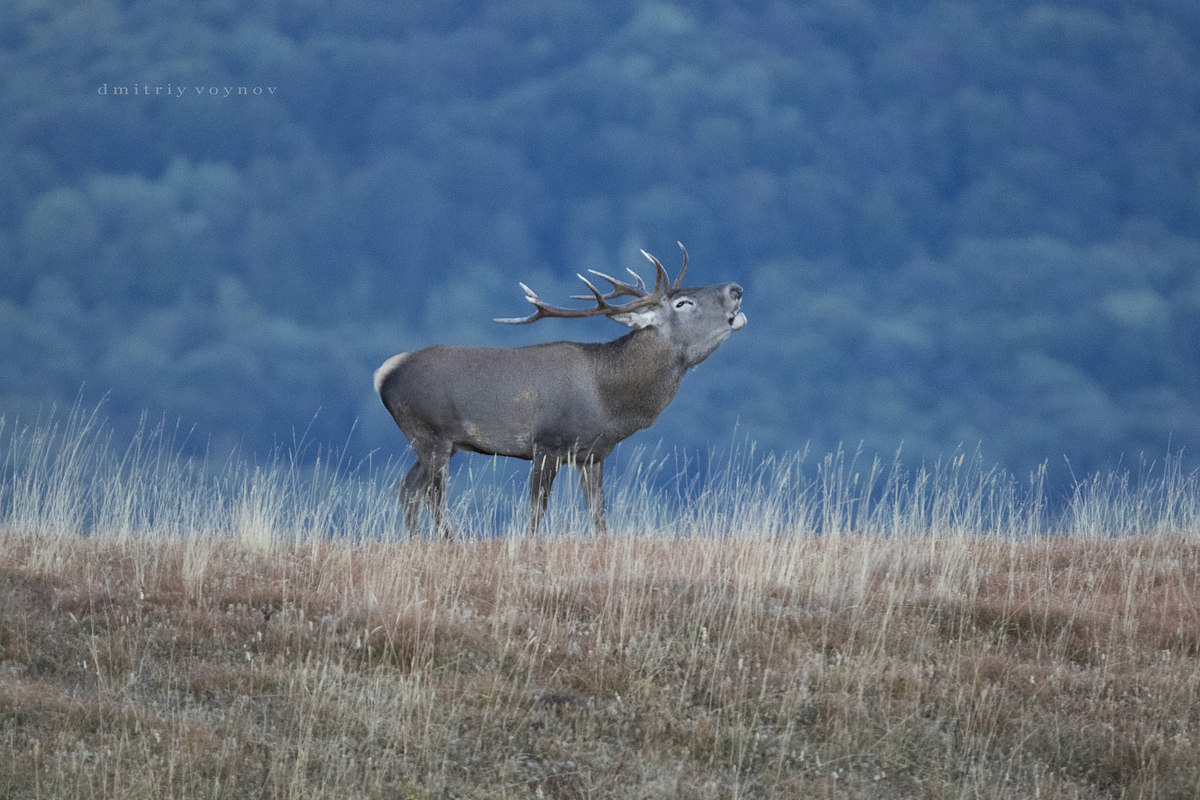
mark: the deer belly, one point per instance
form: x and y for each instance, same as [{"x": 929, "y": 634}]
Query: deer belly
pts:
[
  {"x": 494, "y": 422},
  {"x": 480, "y": 437}
]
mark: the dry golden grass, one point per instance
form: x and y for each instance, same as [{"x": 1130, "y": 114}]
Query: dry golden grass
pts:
[
  {"x": 171, "y": 630},
  {"x": 817, "y": 666}
]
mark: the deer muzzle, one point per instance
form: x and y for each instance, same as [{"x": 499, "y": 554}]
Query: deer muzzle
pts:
[{"x": 737, "y": 321}]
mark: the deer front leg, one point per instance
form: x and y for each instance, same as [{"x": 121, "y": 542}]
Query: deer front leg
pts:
[
  {"x": 591, "y": 479},
  {"x": 541, "y": 479}
]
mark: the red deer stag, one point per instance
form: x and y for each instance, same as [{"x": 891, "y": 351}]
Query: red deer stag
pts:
[{"x": 555, "y": 403}]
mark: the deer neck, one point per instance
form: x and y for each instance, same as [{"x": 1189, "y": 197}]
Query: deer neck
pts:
[{"x": 638, "y": 376}]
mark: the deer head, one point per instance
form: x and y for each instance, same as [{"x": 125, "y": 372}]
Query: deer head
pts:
[{"x": 688, "y": 316}]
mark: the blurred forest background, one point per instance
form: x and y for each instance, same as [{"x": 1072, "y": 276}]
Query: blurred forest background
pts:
[{"x": 958, "y": 224}]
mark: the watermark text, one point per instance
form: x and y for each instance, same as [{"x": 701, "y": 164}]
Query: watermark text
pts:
[{"x": 179, "y": 91}]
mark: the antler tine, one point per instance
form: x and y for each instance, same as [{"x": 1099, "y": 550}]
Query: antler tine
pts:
[
  {"x": 661, "y": 279},
  {"x": 520, "y": 320},
  {"x": 601, "y": 300},
  {"x": 641, "y": 284},
  {"x": 682, "y": 270},
  {"x": 534, "y": 317},
  {"x": 532, "y": 297},
  {"x": 620, "y": 288}
]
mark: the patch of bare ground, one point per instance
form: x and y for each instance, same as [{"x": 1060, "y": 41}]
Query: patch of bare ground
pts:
[{"x": 840, "y": 666}]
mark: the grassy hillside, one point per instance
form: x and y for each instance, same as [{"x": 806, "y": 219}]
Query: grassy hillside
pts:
[{"x": 940, "y": 635}]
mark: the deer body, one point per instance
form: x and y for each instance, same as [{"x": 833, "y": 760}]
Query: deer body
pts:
[{"x": 554, "y": 403}]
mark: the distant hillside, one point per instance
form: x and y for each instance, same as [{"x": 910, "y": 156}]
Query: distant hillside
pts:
[{"x": 956, "y": 223}]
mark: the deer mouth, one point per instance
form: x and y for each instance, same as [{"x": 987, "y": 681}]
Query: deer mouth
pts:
[{"x": 737, "y": 320}]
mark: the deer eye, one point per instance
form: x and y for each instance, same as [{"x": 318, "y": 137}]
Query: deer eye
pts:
[{"x": 682, "y": 303}]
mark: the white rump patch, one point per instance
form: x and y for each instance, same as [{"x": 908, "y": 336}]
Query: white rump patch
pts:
[{"x": 386, "y": 369}]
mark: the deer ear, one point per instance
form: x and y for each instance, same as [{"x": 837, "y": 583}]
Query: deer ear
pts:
[{"x": 641, "y": 318}]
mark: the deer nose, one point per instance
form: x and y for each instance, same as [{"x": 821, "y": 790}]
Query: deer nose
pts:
[{"x": 736, "y": 318}]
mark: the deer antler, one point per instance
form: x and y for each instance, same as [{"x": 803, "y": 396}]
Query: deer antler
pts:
[
  {"x": 620, "y": 288},
  {"x": 603, "y": 308},
  {"x": 682, "y": 270}
]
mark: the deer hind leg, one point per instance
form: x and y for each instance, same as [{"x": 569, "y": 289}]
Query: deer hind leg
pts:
[
  {"x": 591, "y": 480},
  {"x": 426, "y": 483},
  {"x": 541, "y": 479},
  {"x": 412, "y": 492},
  {"x": 439, "y": 474}
]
